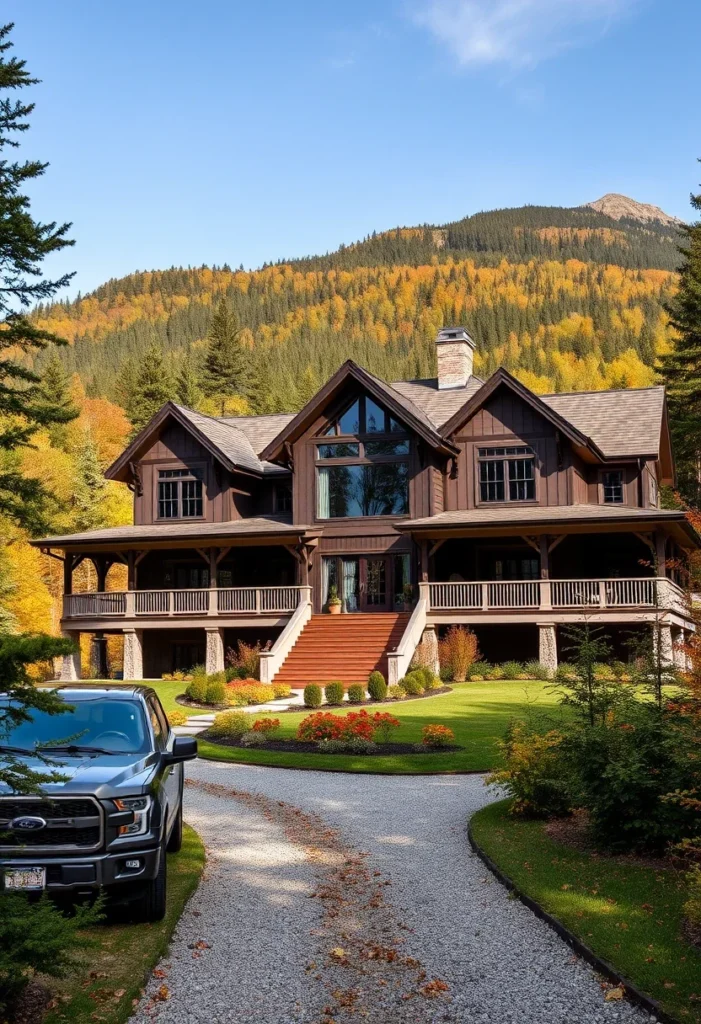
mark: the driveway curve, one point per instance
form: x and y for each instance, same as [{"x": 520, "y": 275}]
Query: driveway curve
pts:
[{"x": 336, "y": 898}]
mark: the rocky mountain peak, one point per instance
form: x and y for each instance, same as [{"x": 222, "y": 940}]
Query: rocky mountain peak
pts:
[{"x": 617, "y": 206}]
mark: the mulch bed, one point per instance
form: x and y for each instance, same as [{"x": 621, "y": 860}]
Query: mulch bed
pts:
[
  {"x": 187, "y": 703},
  {"x": 575, "y": 831},
  {"x": 299, "y": 747}
]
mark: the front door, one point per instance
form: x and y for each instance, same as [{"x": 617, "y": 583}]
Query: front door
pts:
[{"x": 374, "y": 585}]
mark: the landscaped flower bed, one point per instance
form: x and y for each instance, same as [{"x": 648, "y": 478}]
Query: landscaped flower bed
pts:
[{"x": 322, "y": 732}]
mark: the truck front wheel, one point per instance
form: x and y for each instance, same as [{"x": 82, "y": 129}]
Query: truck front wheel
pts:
[{"x": 150, "y": 904}]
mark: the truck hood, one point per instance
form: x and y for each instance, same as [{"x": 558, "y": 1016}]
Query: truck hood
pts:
[{"x": 103, "y": 776}]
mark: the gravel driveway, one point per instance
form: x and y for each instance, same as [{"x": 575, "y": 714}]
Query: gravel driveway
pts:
[{"x": 336, "y": 898}]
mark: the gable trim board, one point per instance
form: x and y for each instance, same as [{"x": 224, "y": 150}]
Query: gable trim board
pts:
[{"x": 384, "y": 393}]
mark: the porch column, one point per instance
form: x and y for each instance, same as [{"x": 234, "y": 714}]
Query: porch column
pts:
[
  {"x": 133, "y": 654},
  {"x": 428, "y": 649},
  {"x": 662, "y": 640},
  {"x": 102, "y": 567},
  {"x": 660, "y": 553},
  {"x": 70, "y": 663},
  {"x": 547, "y": 645},
  {"x": 68, "y": 573},
  {"x": 214, "y": 650},
  {"x": 99, "y": 656},
  {"x": 678, "y": 653}
]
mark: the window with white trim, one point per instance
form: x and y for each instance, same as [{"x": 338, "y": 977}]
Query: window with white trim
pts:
[
  {"x": 506, "y": 473},
  {"x": 180, "y": 494}
]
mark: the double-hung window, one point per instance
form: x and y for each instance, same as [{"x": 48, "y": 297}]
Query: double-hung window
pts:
[
  {"x": 180, "y": 494},
  {"x": 612, "y": 487},
  {"x": 506, "y": 474},
  {"x": 362, "y": 464}
]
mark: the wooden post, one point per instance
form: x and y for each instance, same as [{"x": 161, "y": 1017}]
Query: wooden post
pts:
[
  {"x": 424, "y": 561},
  {"x": 212, "y": 568},
  {"x": 101, "y": 570},
  {"x": 660, "y": 553},
  {"x": 131, "y": 570},
  {"x": 544, "y": 557},
  {"x": 68, "y": 573}
]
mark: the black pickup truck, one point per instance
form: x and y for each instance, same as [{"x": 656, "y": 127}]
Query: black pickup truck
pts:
[{"x": 117, "y": 810}]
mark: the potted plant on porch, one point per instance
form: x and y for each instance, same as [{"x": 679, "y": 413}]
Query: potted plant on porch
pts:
[
  {"x": 408, "y": 596},
  {"x": 334, "y": 602}
]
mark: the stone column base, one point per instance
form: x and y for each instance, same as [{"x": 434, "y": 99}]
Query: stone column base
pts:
[
  {"x": 662, "y": 638},
  {"x": 70, "y": 663},
  {"x": 547, "y": 646},
  {"x": 427, "y": 650},
  {"x": 133, "y": 654},
  {"x": 214, "y": 651}
]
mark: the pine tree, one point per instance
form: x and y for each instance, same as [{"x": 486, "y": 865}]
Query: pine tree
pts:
[
  {"x": 152, "y": 387},
  {"x": 226, "y": 366},
  {"x": 24, "y": 243},
  {"x": 55, "y": 390},
  {"x": 188, "y": 388},
  {"x": 90, "y": 486},
  {"x": 681, "y": 368},
  {"x": 308, "y": 386}
]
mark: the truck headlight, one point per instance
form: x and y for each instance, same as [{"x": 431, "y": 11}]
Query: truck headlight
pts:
[{"x": 140, "y": 806}]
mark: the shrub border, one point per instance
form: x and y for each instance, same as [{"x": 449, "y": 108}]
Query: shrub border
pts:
[
  {"x": 442, "y": 691},
  {"x": 604, "y": 967}
]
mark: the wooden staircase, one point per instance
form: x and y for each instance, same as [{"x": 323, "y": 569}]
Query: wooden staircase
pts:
[{"x": 343, "y": 648}]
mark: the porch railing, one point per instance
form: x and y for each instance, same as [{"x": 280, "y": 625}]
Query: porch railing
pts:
[
  {"x": 647, "y": 592},
  {"x": 204, "y": 601}
]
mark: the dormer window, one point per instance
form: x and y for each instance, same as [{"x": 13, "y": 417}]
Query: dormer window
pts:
[
  {"x": 180, "y": 494},
  {"x": 612, "y": 487}
]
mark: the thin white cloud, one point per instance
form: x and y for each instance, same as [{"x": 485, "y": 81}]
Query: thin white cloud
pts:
[{"x": 516, "y": 32}]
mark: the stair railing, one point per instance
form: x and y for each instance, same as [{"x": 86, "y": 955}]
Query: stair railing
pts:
[
  {"x": 271, "y": 661},
  {"x": 398, "y": 661}
]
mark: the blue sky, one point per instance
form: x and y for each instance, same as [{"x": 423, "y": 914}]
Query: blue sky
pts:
[{"x": 183, "y": 133}]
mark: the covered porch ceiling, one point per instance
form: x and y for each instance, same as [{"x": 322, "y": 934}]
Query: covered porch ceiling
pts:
[{"x": 537, "y": 520}]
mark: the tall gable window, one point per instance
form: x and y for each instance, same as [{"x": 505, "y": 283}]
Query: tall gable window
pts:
[
  {"x": 180, "y": 494},
  {"x": 612, "y": 486},
  {"x": 366, "y": 473},
  {"x": 507, "y": 474}
]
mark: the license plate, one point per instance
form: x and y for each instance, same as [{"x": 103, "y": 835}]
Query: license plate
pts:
[{"x": 25, "y": 878}]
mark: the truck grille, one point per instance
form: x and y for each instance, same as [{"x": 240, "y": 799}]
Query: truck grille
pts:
[{"x": 70, "y": 824}]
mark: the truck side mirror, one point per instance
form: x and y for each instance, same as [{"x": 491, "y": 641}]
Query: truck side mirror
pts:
[{"x": 184, "y": 749}]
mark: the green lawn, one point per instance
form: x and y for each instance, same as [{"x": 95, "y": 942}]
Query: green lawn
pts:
[
  {"x": 628, "y": 914},
  {"x": 478, "y": 714},
  {"x": 124, "y": 954}
]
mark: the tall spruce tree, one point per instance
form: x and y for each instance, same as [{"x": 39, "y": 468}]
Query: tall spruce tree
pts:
[
  {"x": 681, "y": 368},
  {"x": 189, "y": 390},
  {"x": 226, "y": 366},
  {"x": 152, "y": 386},
  {"x": 55, "y": 390},
  {"x": 90, "y": 486},
  {"x": 24, "y": 243}
]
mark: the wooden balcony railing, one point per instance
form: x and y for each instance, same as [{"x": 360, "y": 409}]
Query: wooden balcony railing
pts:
[
  {"x": 648, "y": 592},
  {"x": 157, "y": 603}
]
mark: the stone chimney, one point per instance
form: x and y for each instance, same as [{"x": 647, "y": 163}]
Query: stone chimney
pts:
[{"x": 455, "y": 349}]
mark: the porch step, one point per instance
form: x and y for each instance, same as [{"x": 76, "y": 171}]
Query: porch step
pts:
[{"x": 346, "y": 648}]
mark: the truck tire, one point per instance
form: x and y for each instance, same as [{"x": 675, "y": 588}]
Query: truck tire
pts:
[
  {"x": 150, "y": 904},
  {"x": 175, "y": 840}
]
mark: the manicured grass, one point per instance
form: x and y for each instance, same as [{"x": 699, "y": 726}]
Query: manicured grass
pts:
[
  {"x": 124, "y": 954},
  {"x": 478, "y": 714},
  {"x": 627, "y": 914}
]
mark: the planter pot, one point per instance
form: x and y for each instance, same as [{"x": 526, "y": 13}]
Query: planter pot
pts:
[{"x": 334, "y": 609}]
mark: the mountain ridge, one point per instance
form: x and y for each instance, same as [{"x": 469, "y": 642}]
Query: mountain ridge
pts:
[{"x": 618, "y": 207}]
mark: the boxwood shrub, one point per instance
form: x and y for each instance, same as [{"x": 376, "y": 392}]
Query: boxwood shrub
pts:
[
  {"x": 377, "y": 687},
  {"x": 312, "y": 695},
  {"x": 356, "y": 693},
  {"x": 334, "y": 693}
]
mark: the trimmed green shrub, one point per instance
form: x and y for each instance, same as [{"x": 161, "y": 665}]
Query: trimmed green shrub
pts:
[
  {"x": 395, "y": 692},
  {"x": 334, "y": 692},
  {"x": 197, "y": 689},
  {"x": 479, "y": 668},
  {"x": 217, "y": 677},
  {"x": 216, "y": 690},
  {"x": 356, "y": 693},
  {"x": 429, "y": 677},
  {"x": 412, "y": 684},
  {"x": 512, "y": 669},
  {"x": 198, "y": 672},
  {"x": 495, "y": 672},
  {"x": 312, "y": 695},
  {"x": 377, "y": 687},
  {"x": 230, "y": 724},
  {"x": 536, "y": 670}
]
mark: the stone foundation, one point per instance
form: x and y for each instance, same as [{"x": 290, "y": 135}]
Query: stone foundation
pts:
[
  {"x": 214, "y": 651},
  {"x": 547, "y": 646},
  {"x": 133, "y": 654}
]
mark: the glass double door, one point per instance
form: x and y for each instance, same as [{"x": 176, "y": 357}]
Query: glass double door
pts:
[{"x": 362, "y": 582}]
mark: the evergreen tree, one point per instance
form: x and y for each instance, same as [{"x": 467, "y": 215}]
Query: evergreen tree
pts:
[
  {"x": 189, "y": 391},
  {"x": 24, "y": 243},
  {"x": 681, "y": 368},
  {"x": 55, "y": 390},
  {"x": 226, "y": 366},
  {"x": 90, "y": 486},
  {"x": 307, "y": 386},
  {"x": 152, "y": 387}
]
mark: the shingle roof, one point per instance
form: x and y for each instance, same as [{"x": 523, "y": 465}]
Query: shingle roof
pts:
[
  {"x": 260, "y": 430},
  {"x": 625, "y": 422},
  {"x": 234, "y": 440},
  {"x": 438, "y": 405},
  {"x": 256, "y": 526},
  {"x": 540, "y": 514}
]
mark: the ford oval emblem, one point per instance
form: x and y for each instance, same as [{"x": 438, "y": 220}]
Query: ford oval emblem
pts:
[{"x": 27, "y": 824}]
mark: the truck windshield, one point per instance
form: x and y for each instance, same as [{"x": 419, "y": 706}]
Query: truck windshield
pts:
[{"x": 118, "y": 726}]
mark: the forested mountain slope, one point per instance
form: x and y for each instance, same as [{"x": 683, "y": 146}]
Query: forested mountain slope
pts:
[{"x": 568, "y": 298}]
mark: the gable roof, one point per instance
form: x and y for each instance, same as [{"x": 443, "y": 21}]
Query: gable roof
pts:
[
  {"x": 438, "y": 404},
  {"x": 260, "y": 430},
  {"x": 397, "y": 403},
  {"x": 502, "y": 378},
  {"x": 623, "y": 423}
]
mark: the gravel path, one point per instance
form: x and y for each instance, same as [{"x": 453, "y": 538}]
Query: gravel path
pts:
[{"x": 337, "y": 898}]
